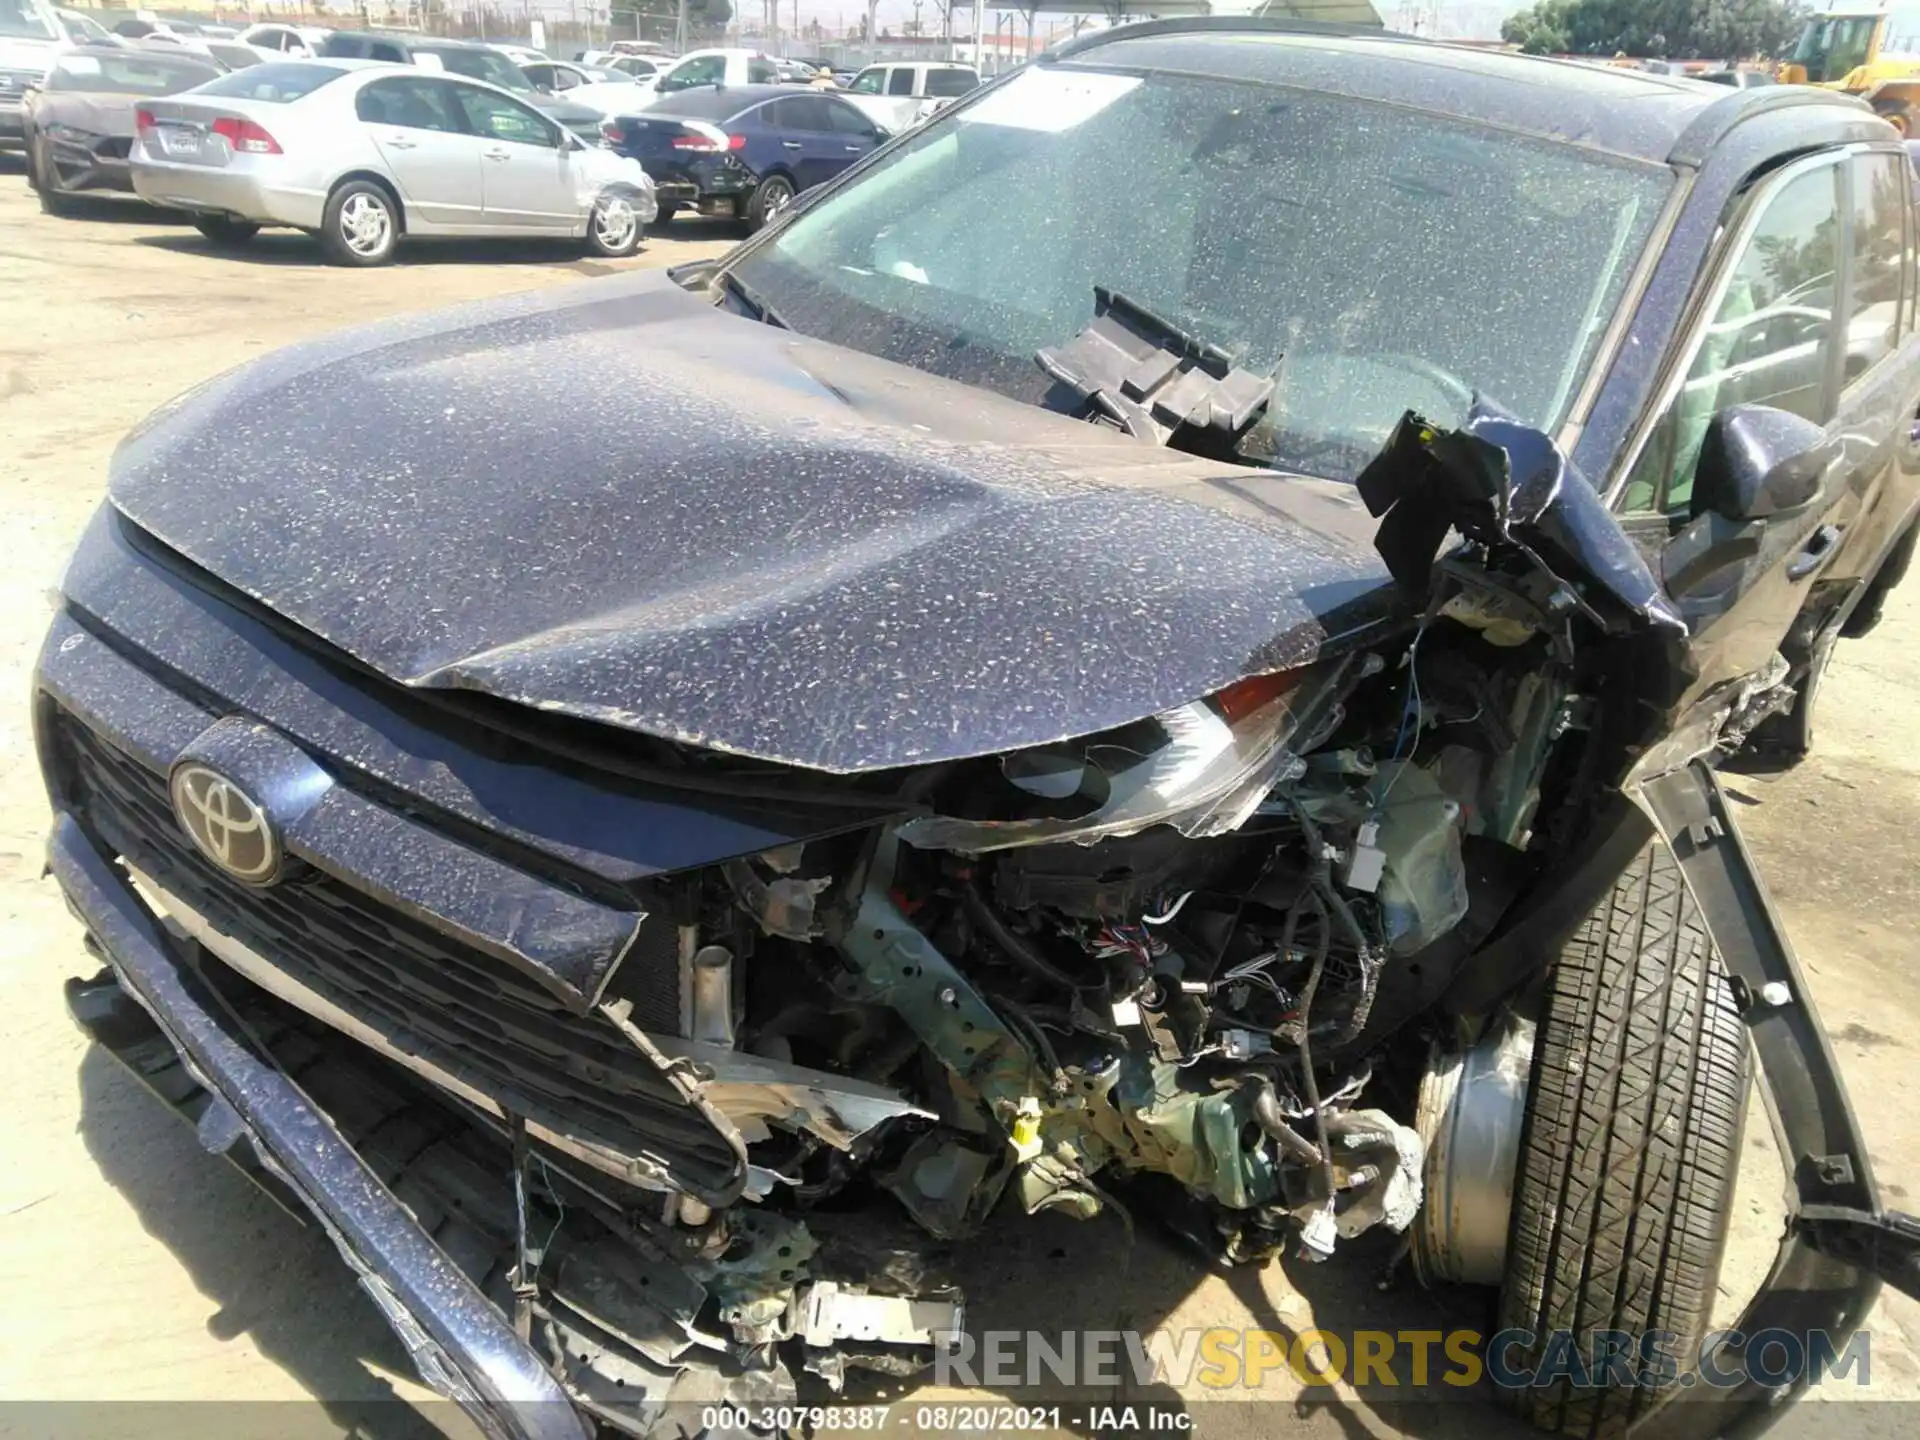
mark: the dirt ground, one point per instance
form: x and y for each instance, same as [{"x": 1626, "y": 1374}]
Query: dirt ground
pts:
[{"x": 135, "y": 1268}]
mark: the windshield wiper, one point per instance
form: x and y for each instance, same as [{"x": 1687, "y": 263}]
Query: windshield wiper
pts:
[
  {"x": 1154, "y": 378},
  {"x": 752, "y": 298}
]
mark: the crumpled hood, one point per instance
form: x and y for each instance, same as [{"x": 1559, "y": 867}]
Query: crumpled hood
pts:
[{"x": 614, "y": 501}]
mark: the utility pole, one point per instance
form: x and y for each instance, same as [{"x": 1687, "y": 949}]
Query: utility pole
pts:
[{"x": 679, "y": 28}]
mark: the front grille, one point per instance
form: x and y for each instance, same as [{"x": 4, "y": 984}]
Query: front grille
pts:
[{"x": 456, "y": 1006}]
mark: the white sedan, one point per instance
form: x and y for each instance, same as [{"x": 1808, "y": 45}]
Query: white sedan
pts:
[{"x": 362, "y": 153}]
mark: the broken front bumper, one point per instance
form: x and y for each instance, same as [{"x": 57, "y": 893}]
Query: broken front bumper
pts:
[
  {"x": 1839, "y": 1245},
  {"x": 1838, "y": 1248},
  {"x": 462, "y": 1344}
]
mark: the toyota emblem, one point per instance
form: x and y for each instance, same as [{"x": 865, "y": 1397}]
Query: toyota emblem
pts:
[{"x": 226, "y": 824}]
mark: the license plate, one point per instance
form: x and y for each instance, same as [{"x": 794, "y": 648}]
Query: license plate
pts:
[{"x": 180, "y": 142}]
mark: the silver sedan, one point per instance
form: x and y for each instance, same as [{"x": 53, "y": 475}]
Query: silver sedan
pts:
[{"x": 362, "y": 153}]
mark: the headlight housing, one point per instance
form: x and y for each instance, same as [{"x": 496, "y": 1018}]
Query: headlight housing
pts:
[{"x": 1202, "y": 768}]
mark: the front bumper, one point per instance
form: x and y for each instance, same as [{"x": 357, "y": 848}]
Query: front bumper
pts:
[
  {"x": 463, "y": 1345},
  {"x": 1839, "y": 1245},
  {"x": 1837, "y": 1249}
]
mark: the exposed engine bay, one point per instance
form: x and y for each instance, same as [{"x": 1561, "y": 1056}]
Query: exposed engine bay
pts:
[
  {"x": 1188, "y": 967},
  {"x": 1165, "y": 954}
]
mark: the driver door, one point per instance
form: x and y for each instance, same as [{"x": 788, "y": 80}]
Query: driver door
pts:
[{"x": 1795, "y": 323}]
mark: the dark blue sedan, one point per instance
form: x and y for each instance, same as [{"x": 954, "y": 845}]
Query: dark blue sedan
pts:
[{"x": 743, "y": 150}]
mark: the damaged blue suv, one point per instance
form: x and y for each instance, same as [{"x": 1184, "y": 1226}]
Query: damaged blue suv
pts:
[{"x": 1159, "y": 645}]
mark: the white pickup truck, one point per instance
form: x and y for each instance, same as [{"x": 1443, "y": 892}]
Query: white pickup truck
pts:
[
  {"x": 30, "y": 36},
  {"x": 901, "y": 95}
]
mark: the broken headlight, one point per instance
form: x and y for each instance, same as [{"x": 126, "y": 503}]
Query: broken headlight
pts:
[{"x": 1202, "y": 768}]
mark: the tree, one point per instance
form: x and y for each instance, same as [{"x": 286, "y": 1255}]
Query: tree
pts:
[
  {"x": 1681, "y": 29},
  {"x": 657, "y": 19}
]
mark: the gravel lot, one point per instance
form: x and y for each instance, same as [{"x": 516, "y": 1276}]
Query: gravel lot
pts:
[{"x": 136, "y": 1268}]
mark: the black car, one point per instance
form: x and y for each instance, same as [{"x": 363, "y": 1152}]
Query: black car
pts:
[
  {"x": 462, "y": 57},
  {"x": 744, "y": 150},
  {"x": 79, "y": 121},
  {"x": 1192, "y": 696}
]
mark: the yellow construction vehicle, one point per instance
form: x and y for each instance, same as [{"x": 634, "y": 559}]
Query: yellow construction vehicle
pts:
[{"x": 1872, "y": 52}]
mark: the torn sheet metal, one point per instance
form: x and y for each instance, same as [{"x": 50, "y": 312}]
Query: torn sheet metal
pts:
[
  {"x": 753, "y": 1092},
  {"x": 1506, "y": 486}
]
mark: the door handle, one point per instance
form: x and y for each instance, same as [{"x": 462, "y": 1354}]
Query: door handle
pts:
[
  {"x": 789, "y": 144},
  {"x": 400, "y": 142},
  {"x": 856, "y": 149},
  {"x": 1814, "y": 553},
  {"x": 498, "y": 154}
]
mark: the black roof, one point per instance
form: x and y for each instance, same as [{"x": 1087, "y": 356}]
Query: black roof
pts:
[
  {"x": 1628, "y": 112},
  {"x": 412, "y": 39},
  {"x": 721, "y": 102}
]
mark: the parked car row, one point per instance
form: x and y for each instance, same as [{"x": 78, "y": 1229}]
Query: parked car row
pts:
[{"x": 367, "y": 137}]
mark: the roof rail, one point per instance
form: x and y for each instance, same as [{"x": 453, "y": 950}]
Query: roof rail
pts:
[
  {"x": 1212, "y": 24},
  {"x": 1705, "y": 130}
]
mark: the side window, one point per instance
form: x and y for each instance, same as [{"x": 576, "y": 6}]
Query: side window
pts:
[
  {"x": 1903, "y": 34},
  {"x": 408, "y": 103},
  {"x": 380, "y": 50},
  {"x": 847, "y": 119},
  {"x": 1913, "y": 246},
  {"x": 762, "y": 72},
  {"x": 803, "y": 112},
  {"x": 1769, "y": 342},
  {"x": 868, "y": 82},
  {"x": 563, "y": 78},
  {"x": 900, "y": 82},
  {"x": 705, "y": 70},
  {"x": 1881, "y": 200},
  {"x": 542, "y": 76},
  {"x": 947, "y": 83},
  {"x": 500, "y": 117}
]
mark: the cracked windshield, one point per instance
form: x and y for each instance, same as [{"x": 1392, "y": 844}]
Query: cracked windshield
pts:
[{"x": 1369, "y": 266}]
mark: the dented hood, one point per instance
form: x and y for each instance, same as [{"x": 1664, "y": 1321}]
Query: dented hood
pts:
[{"x": 613, "y": 501}]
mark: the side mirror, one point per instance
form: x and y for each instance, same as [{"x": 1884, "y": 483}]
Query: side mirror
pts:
[{"x": 1757, "y": 461}]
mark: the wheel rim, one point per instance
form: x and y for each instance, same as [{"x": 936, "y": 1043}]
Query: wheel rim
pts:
[
  {"x": 614, "y": 222},
  {"x": 779, "y": 196},
  {"x": 365, "y": 224}
]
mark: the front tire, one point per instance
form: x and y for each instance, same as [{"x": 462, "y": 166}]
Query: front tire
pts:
[
  {"x": 1897, "y": 113},
  {"x": 361, "y": 225},
  {"x": 1624, "y": 1191},
  {"x": 770, "y": 197},
  {"x": 225, "y": 231},
  {"x": 614, "y": 229}
]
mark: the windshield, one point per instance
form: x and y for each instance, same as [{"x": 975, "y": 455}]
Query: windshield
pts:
[
  {"x": 1371, "y": 263},
  {"x": 24, "y": 20},
  {"x": 485, "y": 65},
  {"x": 1831, "y": 48},
  {"x": 128, "y": 72}
]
